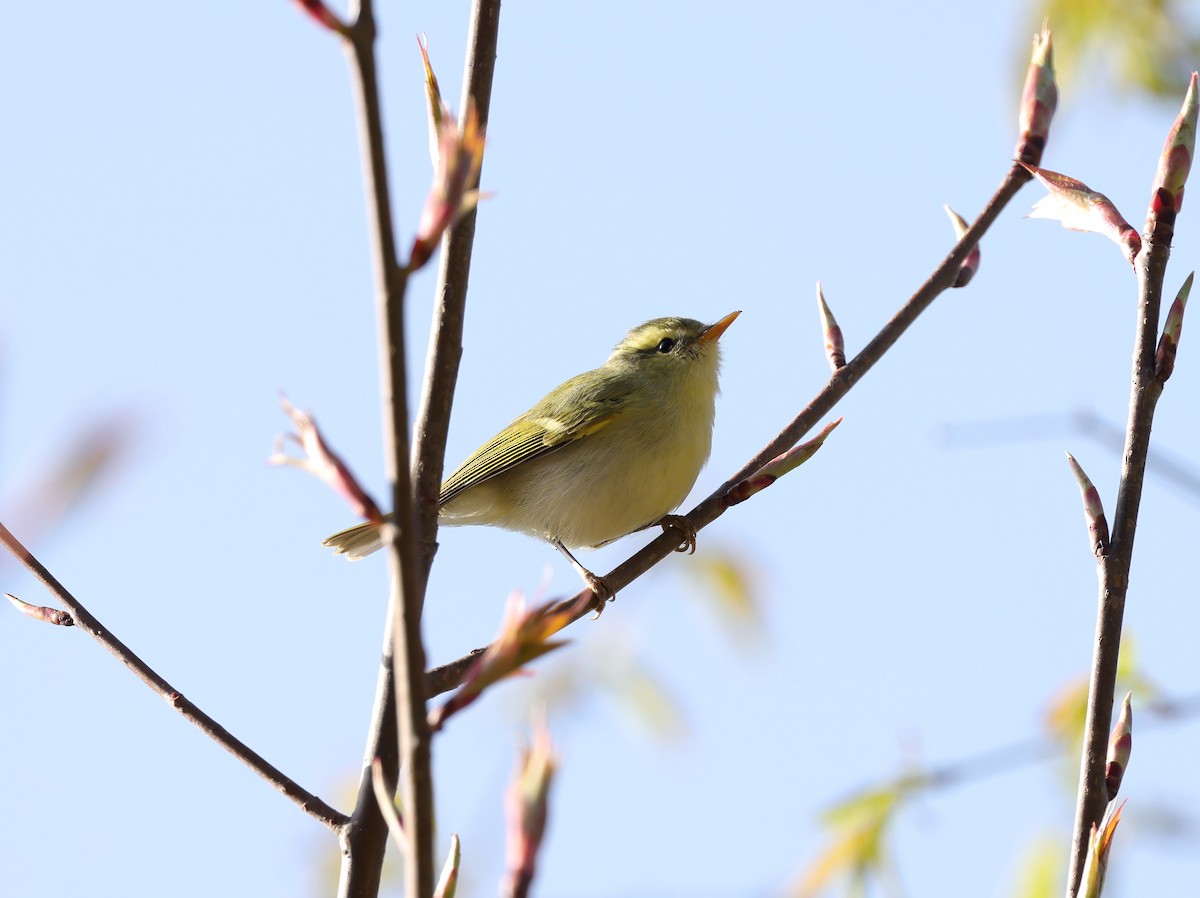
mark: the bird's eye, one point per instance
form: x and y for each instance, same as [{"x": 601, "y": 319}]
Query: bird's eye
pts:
[{"x": 666, "y": 344}]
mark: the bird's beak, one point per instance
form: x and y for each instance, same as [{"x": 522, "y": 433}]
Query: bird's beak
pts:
[{"x": 714, "y": 331}]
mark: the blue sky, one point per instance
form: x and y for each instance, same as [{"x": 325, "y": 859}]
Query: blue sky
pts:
[{"x": 185, "y": 236}]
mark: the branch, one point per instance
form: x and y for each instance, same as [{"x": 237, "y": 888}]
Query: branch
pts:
[
  {"x": 309, "y": 803},
  {"x": 1113, "y": 564},
  {"x": 447, "y": 676},
  {"x": 445, "y": 338},
  {"x": 412, "y": 551},
  {"x": 365, "y": 838}
]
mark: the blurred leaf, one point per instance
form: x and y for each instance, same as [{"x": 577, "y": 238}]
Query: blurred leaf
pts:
[
  {"x": 87, "y": 459},
  {"x": 728, "y": 581},
  {"x": 1142, "y": 46},
  {"x": 610, "y": 664},
  {"x": 864, "y": 806},
  {"x": 1067, "y": 712},
  {"x": 647, "y": 700},
  {"x": 1041, "y": 871},
  {"x": 856, "y": 850}
]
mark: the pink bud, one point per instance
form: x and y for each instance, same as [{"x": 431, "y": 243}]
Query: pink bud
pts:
[
  {"x": 41, "y": 612},
  {"x": 835, "y": 346},
  {"x": 1093, "y": 509},
  {"x": 777, "y": 467},
  {"x": 1039, "y": 99},
  {"x": 323, "y": 15},
  {"x": 1168, "y": 343},
  {"x": 1175, "y": 161},
  {"x": 1120, "y": 744},
  {"x": 970, "y": 264}
]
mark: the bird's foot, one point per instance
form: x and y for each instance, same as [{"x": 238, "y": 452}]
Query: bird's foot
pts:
[
  {"x": 686, "y": 529},
  {"x": 597, "y": 584},
  {"x": 600, "y": 589}
]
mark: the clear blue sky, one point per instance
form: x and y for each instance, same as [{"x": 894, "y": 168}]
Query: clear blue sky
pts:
[{"x": 184, "y": 236}]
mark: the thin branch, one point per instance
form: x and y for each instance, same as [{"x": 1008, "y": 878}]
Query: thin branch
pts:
[
  {"x": 1113, "y": 566},
  {"x": 366, "y": 842},
  {"x": 445, "y": 338},
  {"x": 447, "y": 676},
  {"x": 309, "y": 803},
  {"x": 1156, "y": 714},
  {"x": 365, "y": 839}
]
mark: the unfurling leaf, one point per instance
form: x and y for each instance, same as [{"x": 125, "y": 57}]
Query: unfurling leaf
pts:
[
  {"x": 526, "y": 806},
  {"x": 439, "y": 112},
  {"x": 1095, "y": 865},
  {"x": 457, "y": 157},
  {"x": 1079, "y": 208},
  {"x": 321, "y": 461},
  {"x": 524, "y": 635}
]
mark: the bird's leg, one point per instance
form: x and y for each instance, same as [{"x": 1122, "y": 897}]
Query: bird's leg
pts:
[
  {"x": 603, "y": 592},
  {"x": 687, "y": 531}
]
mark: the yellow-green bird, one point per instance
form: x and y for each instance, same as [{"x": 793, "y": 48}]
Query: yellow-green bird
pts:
[{"x": 614, "y": 450}]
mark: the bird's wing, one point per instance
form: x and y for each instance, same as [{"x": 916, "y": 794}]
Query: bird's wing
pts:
[{"x": 577, "y": 409}]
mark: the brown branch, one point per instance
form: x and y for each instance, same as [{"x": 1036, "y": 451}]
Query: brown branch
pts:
[
  {"x": 365, "y": 838},
  {"x": 83, "y": 620},
  {"x": 447, "y": 676},
  {"x": 1113, "y": 566},
  {"x": 445, "y": 338}
]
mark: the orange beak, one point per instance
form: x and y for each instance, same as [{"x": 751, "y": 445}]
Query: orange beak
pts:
[{"x": 713, "y": 331}]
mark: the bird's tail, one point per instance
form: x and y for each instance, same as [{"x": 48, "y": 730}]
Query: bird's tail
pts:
[{"x": 356, "y": 543}]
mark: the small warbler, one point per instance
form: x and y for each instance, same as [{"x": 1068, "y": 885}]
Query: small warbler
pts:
[{"x": 611, "y": 451}]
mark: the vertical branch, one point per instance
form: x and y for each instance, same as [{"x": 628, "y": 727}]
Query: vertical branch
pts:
[
  {"x": 1148, "y": 378},
  {"x": 366, "y": 839},
  {"x": 445, "y": 338},
  {"x": 1115, "y": 563}
]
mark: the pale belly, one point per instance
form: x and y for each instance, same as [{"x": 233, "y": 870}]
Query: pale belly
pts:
[{"x": 593, "y": 491}]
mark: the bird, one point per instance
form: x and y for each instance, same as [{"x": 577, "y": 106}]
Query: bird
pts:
[{"x": 609, "y": 452}]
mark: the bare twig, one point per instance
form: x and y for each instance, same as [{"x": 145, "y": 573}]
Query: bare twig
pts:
[
  {"x": 447, "y": 676},
  {"x": 445, "y": 338},
  {"x": 1113, "y": 565},
  {"x": 309, "y": 803},
  {"x": 1150, "y": 372},
  {"x": 365, "y": 837}
]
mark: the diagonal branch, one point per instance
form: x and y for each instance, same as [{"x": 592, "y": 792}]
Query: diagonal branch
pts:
[
  {"x": 447, "y": 676},
  {"x": 309, "y": 803}
]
